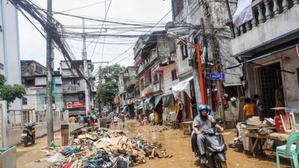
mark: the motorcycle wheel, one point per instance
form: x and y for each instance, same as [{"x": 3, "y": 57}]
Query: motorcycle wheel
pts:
[
  {"x": 220, "y": 164},
  {"x": 25, "y": 142}
]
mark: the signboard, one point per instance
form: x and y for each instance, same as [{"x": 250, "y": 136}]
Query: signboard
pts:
[
  {"x": 148, "y": 89},
  {"x": 217, "y": 76},
  {"x": 76, "y": 104}
]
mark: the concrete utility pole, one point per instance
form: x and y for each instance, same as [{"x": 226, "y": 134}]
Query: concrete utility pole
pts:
[
  {"x": 50, "y": 55},
  {"x": 84, "y": 58}
]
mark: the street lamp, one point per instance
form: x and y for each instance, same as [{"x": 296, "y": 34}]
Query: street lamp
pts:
[{"x": 174, "y": 36}]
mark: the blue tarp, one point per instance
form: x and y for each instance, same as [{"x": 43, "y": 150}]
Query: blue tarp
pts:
[{"x": 124, "y": 109}]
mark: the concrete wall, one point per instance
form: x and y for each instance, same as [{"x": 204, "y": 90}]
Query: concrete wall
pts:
[
  {"x": 57, "y": 93},
  {"x": 31, "y": 99},
  {"x": 267, "y": 31},
  {"x": 9, "y": 47},
  {"x": 14, "y": 136},
  {"x": 8, "y": 159},
  {"x": 168, "y": 83}
]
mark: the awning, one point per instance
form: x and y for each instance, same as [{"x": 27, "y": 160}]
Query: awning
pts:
[
  {"x": 157, "y": 99},
  {"x": 168, "y": 100},
  {"x": 182, "y": 86},
  {"x": 146, "y": 104},
  {"x": 263, "y": 56},
  {"x": 124, "y": 109}
]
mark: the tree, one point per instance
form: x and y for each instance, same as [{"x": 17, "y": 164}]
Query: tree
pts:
[
  {"x": 10, "y": 93},
  {"x": 109, "y": 88}
]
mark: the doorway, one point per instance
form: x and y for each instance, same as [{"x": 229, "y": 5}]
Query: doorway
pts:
[{"x": 270, "y": 78}]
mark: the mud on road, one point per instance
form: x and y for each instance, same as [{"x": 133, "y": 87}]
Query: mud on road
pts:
[{"x": 174, "y": 141}]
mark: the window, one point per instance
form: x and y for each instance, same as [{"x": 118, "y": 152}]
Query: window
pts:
[
  {"x": 141, "y": 84},
  {"x": 178, "y": 6},
  {"x": 156, "y": 77},
  {"x": 24, "y": 101},
  {"x": 184, "y": 51},
  {"x": 173, "y": 75}
]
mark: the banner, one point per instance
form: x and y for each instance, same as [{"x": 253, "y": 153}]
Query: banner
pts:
[{"x": 76, "y": 104}]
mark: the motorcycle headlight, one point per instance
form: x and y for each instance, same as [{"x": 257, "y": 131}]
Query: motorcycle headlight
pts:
[{"x": 218, "y": 148}]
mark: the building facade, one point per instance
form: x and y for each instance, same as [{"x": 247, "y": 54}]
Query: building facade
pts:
[
  {"x": 268, "y": 48},
  {"x": 9, "y": 47},
  {"x": 34, "y": 81},
  {"x": 73, "y": 87}
]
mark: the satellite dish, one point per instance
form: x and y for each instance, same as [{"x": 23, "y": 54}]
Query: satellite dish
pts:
[{"x": 168, "y": 25}]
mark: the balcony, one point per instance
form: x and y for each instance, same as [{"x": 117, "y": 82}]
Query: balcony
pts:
[
  {"x": 72, "y": 88},
  {"x": 274, "y": 22}
]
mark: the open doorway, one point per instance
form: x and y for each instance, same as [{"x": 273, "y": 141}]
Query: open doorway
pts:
[{"x": 270, "y": 78}]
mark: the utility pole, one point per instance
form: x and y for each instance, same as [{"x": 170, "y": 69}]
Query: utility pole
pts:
[
  {"x": 50, "y": 55},
  {"x": 84, "y": 58},
  {"x": 99, "y": 90},
  {"x": 208, "y": 80}
]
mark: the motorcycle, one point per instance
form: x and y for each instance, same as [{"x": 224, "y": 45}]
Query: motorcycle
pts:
[
  {"x": 215, "y": 147},
  {"x": 28, "y": 134}
]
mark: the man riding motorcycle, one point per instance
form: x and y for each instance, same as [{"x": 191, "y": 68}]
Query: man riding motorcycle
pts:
[{"x": 201, "y": 122}]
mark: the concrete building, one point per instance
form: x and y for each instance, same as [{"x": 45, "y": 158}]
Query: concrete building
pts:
[
  {"x": 73, "y": 87},
  {"x": 127, "y": 92},
  {"x": 34, "y": 81},
  {"x": 9, "y": 47},
  {"x": 267, "y": 47},
  {"x": 207, "y": 25}
]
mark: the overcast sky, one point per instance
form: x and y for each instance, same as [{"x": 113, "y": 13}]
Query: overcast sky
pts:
[{"x": 33, "y": 45}]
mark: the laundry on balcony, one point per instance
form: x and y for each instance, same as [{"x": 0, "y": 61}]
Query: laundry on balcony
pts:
[
  {"x": 243, "y": 12},
  {"x": 182, "y": 86}
]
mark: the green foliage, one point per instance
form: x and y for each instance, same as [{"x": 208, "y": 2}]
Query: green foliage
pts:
[
  {"x": 10, "y": 93},
  {"x": 136, "y": 84},
  {"x": 26, "y": 69},
  {"x": 109, "y": 89}
]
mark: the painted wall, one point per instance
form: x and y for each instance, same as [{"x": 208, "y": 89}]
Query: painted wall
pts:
[
  {"x": 168, "y": 83},
  {"x": 9, "y": 47},
  {"x": 57, "y": 93}
]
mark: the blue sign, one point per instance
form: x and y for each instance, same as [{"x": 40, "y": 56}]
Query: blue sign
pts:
[{"x": 217, "y": 76}]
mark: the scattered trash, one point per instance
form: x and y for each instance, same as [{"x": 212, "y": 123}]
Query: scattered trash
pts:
[{"x": 104, "y": 148}]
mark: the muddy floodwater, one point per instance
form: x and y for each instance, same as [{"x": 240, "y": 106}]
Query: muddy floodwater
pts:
[{"x": 175, "y": 143}]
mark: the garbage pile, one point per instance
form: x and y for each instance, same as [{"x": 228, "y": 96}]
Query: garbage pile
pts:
[{"x": 104, "y": 149}]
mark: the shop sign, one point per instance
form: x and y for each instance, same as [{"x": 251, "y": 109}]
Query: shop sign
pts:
[
  {"x": 148, "y": 89},
  {"x": 76, "y": 104}
]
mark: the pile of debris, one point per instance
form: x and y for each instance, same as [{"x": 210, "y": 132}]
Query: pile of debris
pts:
[{"x": 102, "y": 149}]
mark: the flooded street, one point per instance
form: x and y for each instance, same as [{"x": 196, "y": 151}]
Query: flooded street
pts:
[{"x": 174, "y": 141}]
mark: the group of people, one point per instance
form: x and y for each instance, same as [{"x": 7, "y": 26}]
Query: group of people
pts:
[
  {"x": 122, "y": 116},
  {"x": 87, "y": 120}
]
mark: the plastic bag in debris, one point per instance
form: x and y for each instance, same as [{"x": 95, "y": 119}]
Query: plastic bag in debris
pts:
[
  {"x": 269, "y": 144},
  {"x": 58, "y": 157},
  {"x": 121, "y": 162},
  {"x": 53, "y": 146},
  {"x": 66, "y": 149},
  {"x": 107, "y": 140}
]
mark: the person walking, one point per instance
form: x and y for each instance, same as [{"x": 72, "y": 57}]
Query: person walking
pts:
[
  {"x": 123, "y": 118},
  {"x": 115, "y": 118},
  {"x": 152, "y": 118}
]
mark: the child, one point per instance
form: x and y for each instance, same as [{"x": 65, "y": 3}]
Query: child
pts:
[
  {"x": 248, "y": 109},
  {"x": 260, "y": 106}
]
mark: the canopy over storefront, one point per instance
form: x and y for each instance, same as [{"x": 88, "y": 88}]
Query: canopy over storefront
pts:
[
  {"x": 124, "y": 109},
  {"x": 182, "y": 86},
  {"x": 168, "y": 100}
]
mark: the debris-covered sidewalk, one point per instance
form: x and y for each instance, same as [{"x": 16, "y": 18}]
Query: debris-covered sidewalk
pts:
[{"x": 104, "y": 148}]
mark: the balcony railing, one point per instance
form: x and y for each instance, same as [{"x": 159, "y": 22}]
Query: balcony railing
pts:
[
  {"x": 264, "y": 10},
  {"x": 72, "y": 88}
]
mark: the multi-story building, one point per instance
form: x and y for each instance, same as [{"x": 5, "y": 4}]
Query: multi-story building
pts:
[
  {"x": 34, "y": 81},
  {"x": 73, "y": 87},
  {"x": 268, "y": 48},
  {"x": 157, "y": 73},
  {"x": 9, "y": 47},
  {"x": 207, "y": 25},
  {"x": 128, "y": 93}
]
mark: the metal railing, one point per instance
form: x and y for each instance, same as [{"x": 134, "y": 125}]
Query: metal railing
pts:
[{"x": 17, "y": 118}]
